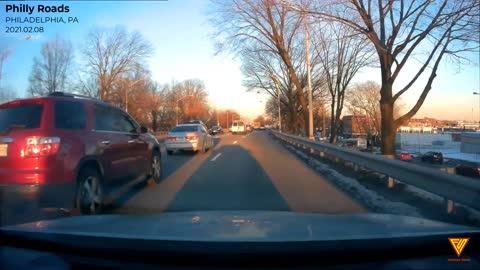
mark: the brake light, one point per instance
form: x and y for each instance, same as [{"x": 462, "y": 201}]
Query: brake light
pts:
[
  {"x": 171, "y": 138},
  {"x": 41, "y": 146},
  {"x": 192, "y": 138}
]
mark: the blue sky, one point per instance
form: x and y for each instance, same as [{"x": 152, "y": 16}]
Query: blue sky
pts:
[{"x": 179, "y": 32}]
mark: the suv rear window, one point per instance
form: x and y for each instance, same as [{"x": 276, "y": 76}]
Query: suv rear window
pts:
[
  {"x": 185, "y": 129},
  {"x": 26, "y": 116},
  {"x": 69, "y": 115}
]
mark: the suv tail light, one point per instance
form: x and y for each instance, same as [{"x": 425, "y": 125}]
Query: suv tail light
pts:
[
  {"x": 171, "y": 138},
  {"x": 192, "y": 138},
  {"x": 41, "y": 146}
]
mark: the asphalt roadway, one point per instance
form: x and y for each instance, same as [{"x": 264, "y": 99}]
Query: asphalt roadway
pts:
[{"x": 241, "y": 172}]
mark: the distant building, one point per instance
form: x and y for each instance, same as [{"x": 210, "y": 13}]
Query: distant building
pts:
[{"x": 355, "y": 126}]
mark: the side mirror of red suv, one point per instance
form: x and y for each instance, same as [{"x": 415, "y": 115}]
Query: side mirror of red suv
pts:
[{"x": 143, "y": 130}]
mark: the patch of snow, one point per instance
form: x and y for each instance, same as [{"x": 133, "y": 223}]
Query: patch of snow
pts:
[
  {"x": 372, "y": 199},
  {"x": 472, "y": 214}
]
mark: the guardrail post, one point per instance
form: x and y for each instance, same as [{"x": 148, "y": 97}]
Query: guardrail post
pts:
[
  {"x": 391, "y": 182},
  {"x": 450, "y": 205},
  {"x": 322, "y": 154},
  {"x": 312, "y": 151}
]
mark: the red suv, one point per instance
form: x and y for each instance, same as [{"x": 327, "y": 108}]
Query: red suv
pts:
[{"x": 66, "y": 151}]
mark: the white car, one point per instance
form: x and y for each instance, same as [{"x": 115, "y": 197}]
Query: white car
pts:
[
  {"x": 189, "y": 137},
  {"x": 238, "y": 127}
]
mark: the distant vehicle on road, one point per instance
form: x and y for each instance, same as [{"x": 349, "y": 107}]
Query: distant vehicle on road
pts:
[
  {"x": 262, "y": 127},
  {"x": 188, "y": 137},
  {"x": 405, "y": 156},
  {"x": 468, "y": 168},
  {"x": 256, "y": 125},
  {"x": 215, "y": 130},
  {"x": 238, "y": 127},
  {"x": 432, "y": 157},
  {"x": 358, "y": 143},
  {"x": 249, "y": 128},
  {"x": 65, "y": 150}
]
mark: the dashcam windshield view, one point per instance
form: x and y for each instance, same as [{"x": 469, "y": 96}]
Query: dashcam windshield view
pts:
[{"x": 240, "y": 133}]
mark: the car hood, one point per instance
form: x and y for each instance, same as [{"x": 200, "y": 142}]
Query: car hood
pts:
[{"x": 224, "y": 226}]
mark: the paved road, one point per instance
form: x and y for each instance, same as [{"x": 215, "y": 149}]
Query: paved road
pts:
[{"x": 241, "y": 172}]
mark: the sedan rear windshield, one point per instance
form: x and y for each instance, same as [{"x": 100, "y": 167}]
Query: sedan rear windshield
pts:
[
  {"x": 25, "y": 116},
  {"x": 185, "y": 129}
]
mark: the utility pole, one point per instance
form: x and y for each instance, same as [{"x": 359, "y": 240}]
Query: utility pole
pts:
[{"x": 309, "y": 78}]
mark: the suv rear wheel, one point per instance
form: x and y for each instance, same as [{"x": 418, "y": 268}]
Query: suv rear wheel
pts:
[
  {"x": 89, "y": 193},
  {"x": 156, "y": 167}
]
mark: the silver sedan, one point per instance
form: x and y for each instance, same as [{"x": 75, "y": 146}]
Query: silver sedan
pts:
[{"x": 190, "y": 137}]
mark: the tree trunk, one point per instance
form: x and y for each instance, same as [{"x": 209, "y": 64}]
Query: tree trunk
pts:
[
  {"x": 388, "y": 129},
  {"x": 333, "y": 128},
  {"x": 154, "y": 121}
]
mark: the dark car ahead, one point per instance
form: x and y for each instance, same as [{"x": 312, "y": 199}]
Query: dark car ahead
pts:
[
  {"x": 432, "y": 157},
  {"x": 468, "y": 168},
  {"x": 65, "y": 151},
  {"x": 215, "y": 130}
]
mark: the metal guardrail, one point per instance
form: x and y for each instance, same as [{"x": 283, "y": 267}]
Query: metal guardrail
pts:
[{"x": 453, "y": 188}]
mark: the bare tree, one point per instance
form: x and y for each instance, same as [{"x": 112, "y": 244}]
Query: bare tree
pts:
[
  {"x": 267, "y": 24},
  {"x": 401, "y": 30},
  {"x": 5, "y": 52},
  {"x": 6, "y": 94},
  {"x": 113, "y": 53},
  {"x": 363, "y": 99},
  {"x": 50, "y": 71},
  {"x": 342, "y": 54}
]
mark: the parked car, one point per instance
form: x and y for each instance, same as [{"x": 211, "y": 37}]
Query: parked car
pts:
[
  {"x": 405, "y": 156},
  {"x": 189, "y": 137},
  {"x": 432, "y": 157},
  {"x": 215, "y": 130},
  {"x": 66, "y": 150},
  {"x": 468, "y": 168},
  {"x": 238, "y": 127},
  {"x": 249, "y": 128}
]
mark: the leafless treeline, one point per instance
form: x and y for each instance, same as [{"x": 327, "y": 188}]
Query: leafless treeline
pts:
[
  {"x": 345, "y": 36},
  {"x": 112, "y": 65}
]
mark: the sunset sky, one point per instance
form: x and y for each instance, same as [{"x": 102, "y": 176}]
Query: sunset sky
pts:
[{"x": 179, "y": 32}]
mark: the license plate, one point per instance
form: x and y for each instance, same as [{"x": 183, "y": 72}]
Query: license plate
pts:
[{"x": 3, "y": 150}]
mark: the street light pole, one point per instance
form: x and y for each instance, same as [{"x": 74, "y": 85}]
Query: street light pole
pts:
[
  {"x": 478, "y": 93},
  {"x": 176, "y": 107},
  {"x": 309, "y": 78},
  {"x": 126, "y": 93},
  {"x": 275, "y": 81},
  {"x": 227, "y": 120}
]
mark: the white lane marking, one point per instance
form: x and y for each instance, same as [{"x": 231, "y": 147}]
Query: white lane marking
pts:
[
  {"x": 234, "y": 142},
  {"x": 216, "y": 156}
]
